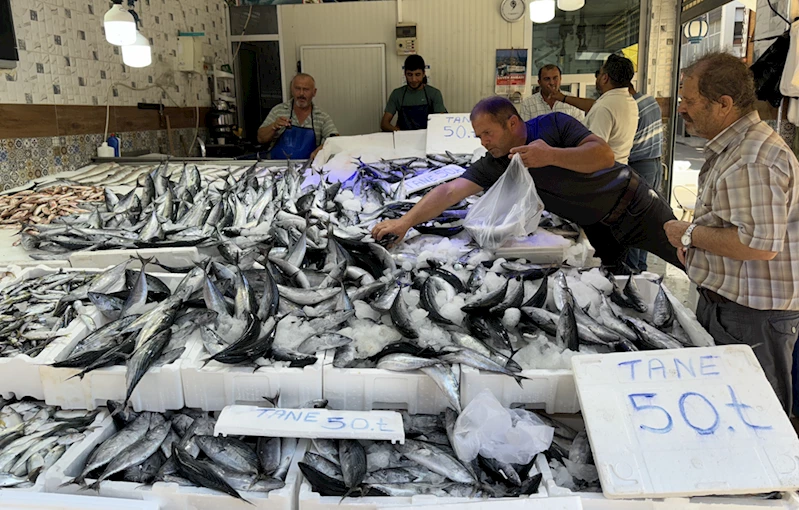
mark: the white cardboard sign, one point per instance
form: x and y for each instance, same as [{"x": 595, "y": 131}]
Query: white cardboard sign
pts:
[
  {"x": 451, "y": 132},
  {"x": 431, "y": 178},
  {"x": 310, "y": 423},
  {"x": 685, "y": 422}
]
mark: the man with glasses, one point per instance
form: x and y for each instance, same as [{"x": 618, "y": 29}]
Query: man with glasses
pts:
[{"x": 614, "y": 116}]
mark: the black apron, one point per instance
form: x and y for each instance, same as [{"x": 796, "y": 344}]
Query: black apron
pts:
[{"x": 414, "y": 117}]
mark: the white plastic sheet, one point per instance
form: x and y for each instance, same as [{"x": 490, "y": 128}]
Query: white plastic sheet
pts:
[
  {"x": 510, "y": 208},
  {"x": 508, "y": 435}
]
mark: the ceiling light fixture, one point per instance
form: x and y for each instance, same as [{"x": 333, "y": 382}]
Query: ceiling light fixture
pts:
[
  {"x": 120, "y": 25},
  {"x": 542, "y": 11},
  {"x": 571, "y": 5},
  {"x": 138, "y": 54}
]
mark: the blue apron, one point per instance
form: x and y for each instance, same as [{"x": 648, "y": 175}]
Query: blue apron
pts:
[
  {"x": 295, "y": 142},
  {"x": 414, "y": 117}
]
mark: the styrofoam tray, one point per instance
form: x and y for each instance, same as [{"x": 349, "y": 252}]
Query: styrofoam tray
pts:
[
  {"x": 307, "y": 499},
  {"x": 160, "y": 389},
  {"x": 541, "y": 247},
  {"x": 168, "y": 495},
  {"x": 216, "y": 385},
  {"x": 597, "y": 501},
  {"x": 554, "y": 390},
  {"x": 173, "y": 257},
  {"x": 365, "y": 389},
  {"x": 19, "y": 376},
  {"x": 15, "y": 500}
]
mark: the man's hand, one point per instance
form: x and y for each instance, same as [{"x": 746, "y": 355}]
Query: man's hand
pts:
[
  {"x": 674, "y": 231},
  {"x": 535, "y": 155},
  {"x": 681, "y": 253},
  {"x": 396, "y": 227},
  {"x": 281, "y": 122},
  {"x": 557, "y": 95}
]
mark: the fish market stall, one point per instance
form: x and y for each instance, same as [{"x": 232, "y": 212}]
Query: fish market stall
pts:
[{"x": 173, "y": 459}]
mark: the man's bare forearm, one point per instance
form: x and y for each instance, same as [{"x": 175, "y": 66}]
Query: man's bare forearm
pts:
[
  {"x": 266, "y": 134},
  {"x": 581, "y": 103},
  {"x": 439, "y": 200},
  {"x": 587, "y": 158}
]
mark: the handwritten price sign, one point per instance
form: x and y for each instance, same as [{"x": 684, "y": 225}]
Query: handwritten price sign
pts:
[
  {"x": 310, "y": 423},
  {"x": 685, "y": 422},
  {"x": 451, "y": 132}
]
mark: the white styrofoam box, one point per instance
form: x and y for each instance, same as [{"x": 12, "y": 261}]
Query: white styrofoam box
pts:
[
  {"x": 19, "y": 375},
  {"x": 365, "y": 389},
  {"x": 307, "y": 499},
  {"x": 160, "y": 388},
  {"x": 15, "y": 500},
  {"x": 554, "y": 390},
  {"x": 167, "y": 495},
  {"x": 540, "y": 247},
  {"x": 216, "y": 385},
  {"x": 173, "y": 257},
  {"x": 572, "y": 503},
  {"x": 41, "y": 481}
]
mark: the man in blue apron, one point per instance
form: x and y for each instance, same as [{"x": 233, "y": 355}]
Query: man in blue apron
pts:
[
  {"x": 413, "y": 102},
  {"x": 297, "y": 129}
]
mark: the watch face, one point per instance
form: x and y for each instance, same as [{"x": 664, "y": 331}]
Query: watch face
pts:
[{"x": 686, "y": 240}]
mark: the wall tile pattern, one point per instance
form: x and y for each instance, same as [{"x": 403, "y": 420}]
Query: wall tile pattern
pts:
[
  {"x": 65, "y": 59},
  {"x": 23, "y": 159}
]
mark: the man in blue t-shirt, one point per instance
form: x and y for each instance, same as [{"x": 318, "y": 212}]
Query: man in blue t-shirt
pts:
[{"x": 575, "y": 175}]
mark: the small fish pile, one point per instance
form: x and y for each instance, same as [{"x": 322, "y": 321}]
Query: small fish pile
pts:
[
  {"x": 425, "y": 464},
  {"x": 45, "y": 203},
  {"x": 570, "y": 458},
  {"x": 263, "y": 207},
  {"x": 179, "y": 447},
  {"x": 33, "y": 437},
  {"x": 32, "y": 311}
]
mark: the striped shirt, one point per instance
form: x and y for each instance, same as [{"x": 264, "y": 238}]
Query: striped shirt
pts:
[
  {"x": 648, "y": 141},
  {"x": 535, "y": 106},
  {"x": 321, "y": 123},
  {"x": 750, "y": 180}
]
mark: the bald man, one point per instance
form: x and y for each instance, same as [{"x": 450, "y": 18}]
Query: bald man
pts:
[{"x": 297, "y": 129}]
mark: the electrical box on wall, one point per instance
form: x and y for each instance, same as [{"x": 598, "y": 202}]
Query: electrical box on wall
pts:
[
  {"x": 406, "y": 39},
  {"x": 190, "y": 52}
]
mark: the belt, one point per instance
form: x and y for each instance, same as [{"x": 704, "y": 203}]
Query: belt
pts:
[
  {"x": 713, "y": 297},
  {"x": 624, "y": 202}
]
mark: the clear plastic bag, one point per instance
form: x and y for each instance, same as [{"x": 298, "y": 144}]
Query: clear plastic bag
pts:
[
  {"x": 509, "y": 208},
  {"x": 514, "y": 436}
]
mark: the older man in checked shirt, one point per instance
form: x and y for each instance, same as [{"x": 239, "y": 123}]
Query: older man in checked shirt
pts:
[{"x": 742, "y": 249}]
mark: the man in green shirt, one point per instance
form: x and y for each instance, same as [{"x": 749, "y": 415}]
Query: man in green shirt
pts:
[{"x": 413, "y": 102}]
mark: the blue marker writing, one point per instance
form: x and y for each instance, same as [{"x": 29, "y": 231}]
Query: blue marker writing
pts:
[
  {"x": 739, "y": 407},
  {"x": 706, "y": 431},
  {"x": 656, "y": 365},
  {"x": 638, "y": 407},
  {"x": 688, "y": 368},
  {"x": 632, "y": 364},
  {"x": 704, "y": 367}
]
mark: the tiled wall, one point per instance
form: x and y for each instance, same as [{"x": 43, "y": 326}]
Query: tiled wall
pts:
[
  {"x": 23, "y": 159},
  {"x": 65, "y": 59}
]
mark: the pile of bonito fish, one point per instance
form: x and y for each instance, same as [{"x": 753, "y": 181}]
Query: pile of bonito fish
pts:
[
  {"x": 32, "y": 312},
  {"x": 179, "y": 447},
  {"x": 34, "y": 436},
  {"x": 424, "y": 464},
  {"x": 237, "y": 214}
]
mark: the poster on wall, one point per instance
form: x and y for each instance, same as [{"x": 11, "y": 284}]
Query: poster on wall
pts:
[{"x": 511, "y": 74}]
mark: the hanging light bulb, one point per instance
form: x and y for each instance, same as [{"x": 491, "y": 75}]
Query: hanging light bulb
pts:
[
  {"x": 137, "y": 54},
  {"x": 570, "y": 5},
  {"x": 120, "y": 27},
  {"x": 542, "y": 11}
]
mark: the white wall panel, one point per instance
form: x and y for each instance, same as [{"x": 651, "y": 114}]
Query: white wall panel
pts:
[
  {"x": 357, "y": 103},
  {"x": 457, "y": 38}
]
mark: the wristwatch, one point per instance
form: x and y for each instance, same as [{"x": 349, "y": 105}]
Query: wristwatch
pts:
[{"x": 686, "y": 237}]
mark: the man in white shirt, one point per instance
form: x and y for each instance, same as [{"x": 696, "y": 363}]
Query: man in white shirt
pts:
[
  {"x": 543, "y": 102},
  {"x": 614, "y": 116}
]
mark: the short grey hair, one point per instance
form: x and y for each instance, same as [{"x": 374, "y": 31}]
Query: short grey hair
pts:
[{"x": 302, "y": 75}]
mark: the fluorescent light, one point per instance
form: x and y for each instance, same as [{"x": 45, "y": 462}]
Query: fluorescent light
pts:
[
  {"x": 120, "y": 27},
  {"x": 570, "y": 5},
  {"x": 542, "y": 11},
  {"x": 137, "y": 54}
]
